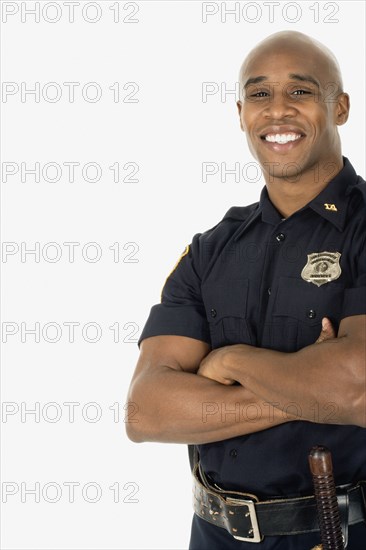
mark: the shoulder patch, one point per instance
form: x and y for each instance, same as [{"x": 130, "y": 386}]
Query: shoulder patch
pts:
[{"x": 184, "y": 253}]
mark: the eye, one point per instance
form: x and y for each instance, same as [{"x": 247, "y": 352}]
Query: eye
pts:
[
  {"x": 260, "y": 94},
  {"x": 300, "y": 92}
]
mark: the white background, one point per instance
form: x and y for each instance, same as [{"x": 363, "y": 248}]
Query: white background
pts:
[{"x": 169, "y": 132}]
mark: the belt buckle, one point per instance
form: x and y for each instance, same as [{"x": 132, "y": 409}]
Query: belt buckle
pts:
[{"x": 255, "y": 535}]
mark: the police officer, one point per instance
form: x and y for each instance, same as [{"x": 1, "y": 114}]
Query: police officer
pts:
[{"x": 231, "y": 359}]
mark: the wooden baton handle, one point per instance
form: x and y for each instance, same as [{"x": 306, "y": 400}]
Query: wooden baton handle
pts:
[{"x": 321, "y": 467}]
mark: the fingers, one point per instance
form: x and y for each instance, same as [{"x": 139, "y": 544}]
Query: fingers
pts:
[{"x": 327, "y": 331}]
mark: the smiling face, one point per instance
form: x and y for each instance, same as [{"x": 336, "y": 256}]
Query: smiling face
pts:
[{"x": 291, "y": 105}]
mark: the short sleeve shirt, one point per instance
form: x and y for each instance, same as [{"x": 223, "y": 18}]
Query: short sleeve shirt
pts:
[{"x": 258, "y": 279}]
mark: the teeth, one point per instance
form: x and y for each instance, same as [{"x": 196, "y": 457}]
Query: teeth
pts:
[{"x": 282, "y": 138}]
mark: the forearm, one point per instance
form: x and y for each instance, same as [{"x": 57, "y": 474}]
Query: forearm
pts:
[
  {"x": 179, "y": 407},
  {"x": 317, "y": 380}
]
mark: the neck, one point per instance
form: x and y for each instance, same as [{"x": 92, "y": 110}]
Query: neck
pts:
[{"x": 293, "y": 192}]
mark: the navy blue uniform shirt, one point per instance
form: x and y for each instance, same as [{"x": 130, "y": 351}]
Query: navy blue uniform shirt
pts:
[{"x": 258, "y": 279}]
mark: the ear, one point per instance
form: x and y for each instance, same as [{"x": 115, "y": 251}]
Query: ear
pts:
[
  {"x": 239, "y": 106},
  {"x": 342, "y": 109}
]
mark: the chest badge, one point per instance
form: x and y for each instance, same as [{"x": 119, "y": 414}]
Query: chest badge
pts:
[{"x": 322, "y": 267}]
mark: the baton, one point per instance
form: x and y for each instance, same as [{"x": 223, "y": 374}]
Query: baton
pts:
[{"x": 321, "y": 467}]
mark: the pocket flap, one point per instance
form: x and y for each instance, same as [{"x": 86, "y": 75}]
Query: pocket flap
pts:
[
  {"x": 307, "y": 302},
  {"x": 227, "y": 299}
]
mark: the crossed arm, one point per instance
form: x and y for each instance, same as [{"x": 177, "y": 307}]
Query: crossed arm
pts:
[
  {"x": 175, "y": 405},
  {"x": 332, "y": 373}
]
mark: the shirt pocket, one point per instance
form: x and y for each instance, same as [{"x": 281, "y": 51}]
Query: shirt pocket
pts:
[
  {"x": 226, "y": 310},
  {"x": 298, "y": 311}
]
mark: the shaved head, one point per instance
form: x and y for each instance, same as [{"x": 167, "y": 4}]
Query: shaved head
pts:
[{"x": 283, "y": 42}]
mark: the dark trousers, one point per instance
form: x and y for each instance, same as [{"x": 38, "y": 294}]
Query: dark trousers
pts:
[{"x": 205, "y": 536}]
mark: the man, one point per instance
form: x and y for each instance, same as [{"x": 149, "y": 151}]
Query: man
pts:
[{"x": 231, "y": 360}]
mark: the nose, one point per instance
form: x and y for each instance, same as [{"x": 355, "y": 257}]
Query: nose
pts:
[{"x": 280, "y": 106}]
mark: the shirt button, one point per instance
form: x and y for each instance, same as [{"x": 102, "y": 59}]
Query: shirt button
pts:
[
  {"x": 233, "y": 453},
  {"x": 213, "y": 312},
  {"x": 269, "y": 290},
  {"x": 311, "y": 314},
  {"x": 280, "y": 237}
]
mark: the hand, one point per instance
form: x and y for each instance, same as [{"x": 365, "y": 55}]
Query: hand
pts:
[
  {"x": 327, "y": 331},
  {"x": 215, "y": 364}
]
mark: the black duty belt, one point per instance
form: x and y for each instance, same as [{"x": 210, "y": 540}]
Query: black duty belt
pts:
[{"x": 248, "y": 519}]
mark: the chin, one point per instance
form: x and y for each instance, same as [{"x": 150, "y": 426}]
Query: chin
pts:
[{"x": 281, "y": 167}]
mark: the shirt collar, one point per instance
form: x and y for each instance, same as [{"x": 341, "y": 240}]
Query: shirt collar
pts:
[{"x": 331, "y": 203}]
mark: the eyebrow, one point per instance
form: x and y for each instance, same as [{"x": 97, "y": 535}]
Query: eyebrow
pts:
[
  {"x": 305, "y": 78},
  {"x": 294, "y": 76},
  {"x": 255, "y": 80}
]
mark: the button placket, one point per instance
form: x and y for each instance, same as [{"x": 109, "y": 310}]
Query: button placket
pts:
[
  {"x": 280, "y": 237},
  {"x": 311, "y": 314}
]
